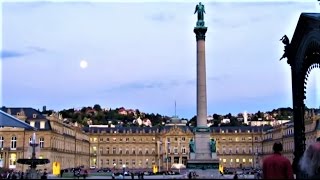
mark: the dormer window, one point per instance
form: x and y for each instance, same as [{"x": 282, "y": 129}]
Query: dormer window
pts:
[
  {"x": 34, "y": 116},
  {"x": 32, "y": 123},
  {"x": 42, "y": 124}
]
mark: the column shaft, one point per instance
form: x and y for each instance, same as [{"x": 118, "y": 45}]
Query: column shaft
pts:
[{"x": 201, "y": 85}]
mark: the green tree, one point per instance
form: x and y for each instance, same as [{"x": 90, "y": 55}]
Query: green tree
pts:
[{"x": 97, "y": 107}]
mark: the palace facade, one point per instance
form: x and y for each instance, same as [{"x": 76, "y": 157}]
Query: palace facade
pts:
[{"x": 100, "y": 146}]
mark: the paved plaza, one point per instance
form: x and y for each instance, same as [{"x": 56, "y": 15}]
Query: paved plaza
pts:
[{"x": 183, "y": 176}]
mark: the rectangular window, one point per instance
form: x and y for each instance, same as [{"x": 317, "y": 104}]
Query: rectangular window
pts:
[
  {"x": 175, "y": 150},
  {"x": 42, "y": 124},
  {"x": 1, "y": 141},
  {"x": 13, "y": 143},
  {"x": 32, "y": 123},
  {"x": 41, "y": 142}
]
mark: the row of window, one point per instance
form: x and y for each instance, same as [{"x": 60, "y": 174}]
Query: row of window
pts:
[
  {"x": 238, "y": 139},
  {"x": 237, "y": 160},
  {"x": 175, "y": 150},
  {"x": 237, "y": 150},
  {"x": 127, "y": 139},
  {"x": 235, "y": 131},
  {"x": 120, "y": 162},
  {"x": 13, "y": 144},
  {"x": 42, "y": 124}
]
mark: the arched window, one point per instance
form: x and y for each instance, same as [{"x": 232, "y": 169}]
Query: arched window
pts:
[{"x": 13, "y": 142}]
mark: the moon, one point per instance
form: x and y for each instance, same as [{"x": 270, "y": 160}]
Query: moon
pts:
[{"x": 83, "y": 64}]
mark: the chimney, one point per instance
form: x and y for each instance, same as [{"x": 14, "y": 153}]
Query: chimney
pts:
[{"x": 44, "y": 109}]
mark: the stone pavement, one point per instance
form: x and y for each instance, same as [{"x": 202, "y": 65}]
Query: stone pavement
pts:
[{"x": 184, "y": 176}]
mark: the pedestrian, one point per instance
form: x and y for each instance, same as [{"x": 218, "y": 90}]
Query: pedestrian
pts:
[
  {"x": 61, "y": 173},
  {"x": 22, "y": 175},
  {"x": 235, "y": 176},
  {"x": 310, "y": 161},
  {"x": 85, "y": 174},
  {"x": 189, "y": 175},
  {"x": 277, "y": 166},
  {"x": 132, "y": 175}
]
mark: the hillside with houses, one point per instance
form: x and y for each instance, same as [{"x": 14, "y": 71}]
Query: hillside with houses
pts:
[{"x": 96, "y": 115}]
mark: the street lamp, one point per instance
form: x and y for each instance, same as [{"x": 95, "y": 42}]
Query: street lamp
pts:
[
  {"x": 167, "y": 143},
  {"x": 124, "y": 170},
  {"x": 114, "y": 166},
  {"x": 159, "y": 153}
]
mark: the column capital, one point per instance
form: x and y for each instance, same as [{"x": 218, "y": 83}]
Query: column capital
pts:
[{"x": 200, "y": 32}]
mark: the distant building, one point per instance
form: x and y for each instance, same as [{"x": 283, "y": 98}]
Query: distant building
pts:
[
  {"x": 106, "y": 146},
  {"x": 225, "y": 121}
]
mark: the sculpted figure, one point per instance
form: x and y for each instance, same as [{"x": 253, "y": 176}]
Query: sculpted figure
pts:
[
  {"x": 200, "y": 10},
  {"x": 213, "y": 145},
  {"x": 192, "y": 146},
  {"x": 286, "y": 42}
]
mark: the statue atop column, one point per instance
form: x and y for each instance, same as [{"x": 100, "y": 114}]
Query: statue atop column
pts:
[
  {"x": 213, "y": 145},
  {"x": 192, "y": 146},
  {"x": 285, "y": 40},
  {"x": 201, "y": 11}
]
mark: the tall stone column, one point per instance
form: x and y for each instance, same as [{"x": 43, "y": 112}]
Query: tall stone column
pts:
[{"x": 201, "y": 77}]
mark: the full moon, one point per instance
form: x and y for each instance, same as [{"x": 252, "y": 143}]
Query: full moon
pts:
[{"x": 83, "y": 64}]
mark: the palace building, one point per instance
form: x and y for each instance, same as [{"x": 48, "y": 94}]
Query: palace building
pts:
[
  {"x": 59, "y": 142},
  {"x": 101, "y": 146}
]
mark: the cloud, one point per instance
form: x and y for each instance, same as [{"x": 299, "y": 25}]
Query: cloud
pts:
[
  {"x": 165, "y": 84},
  {"x": 37, "y": 49},
  {"x": 11, "y": 54},
  {"x": 161, "y": 17},
  {"x": 28, "y": 51}
]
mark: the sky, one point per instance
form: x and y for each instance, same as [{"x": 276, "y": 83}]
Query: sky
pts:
[{"x": 143, "y": 55}]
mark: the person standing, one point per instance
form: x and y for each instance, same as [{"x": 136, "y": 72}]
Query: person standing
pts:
[
  {"x": 310, "y": 161},
  {"x": 277, "y": 166}
]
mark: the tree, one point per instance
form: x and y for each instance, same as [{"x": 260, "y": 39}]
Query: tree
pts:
[
  {"x": 215, "y": 116},
  {"x": 192, "y": 121},
  {"x": 97, "y": 107},
  {"x": 83, "y": 110}
]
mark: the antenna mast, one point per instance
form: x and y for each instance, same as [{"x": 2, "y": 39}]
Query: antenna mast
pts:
[{"x": 175, "y": 109}]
